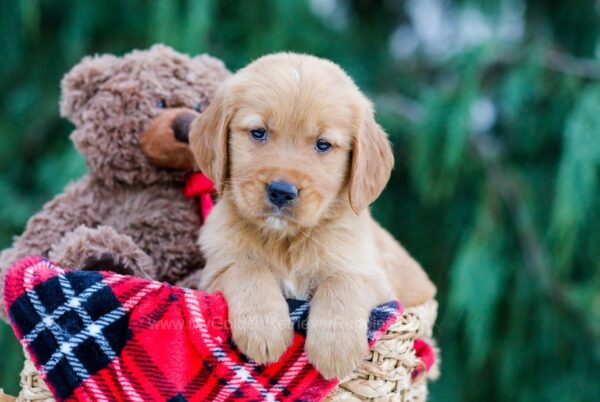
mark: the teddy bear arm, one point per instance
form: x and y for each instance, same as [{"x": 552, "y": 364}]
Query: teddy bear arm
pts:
[
  {"x": 62, "y": 214},
  {"x": 72, "y": 208}
]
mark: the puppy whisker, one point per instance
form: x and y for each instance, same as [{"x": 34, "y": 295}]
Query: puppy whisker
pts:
[
  {"x": 306, "y": 235},
  {"x": 224, "y": 183}
]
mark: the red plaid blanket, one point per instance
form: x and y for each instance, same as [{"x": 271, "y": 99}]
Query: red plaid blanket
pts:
[{"x": 103, "y": 336}]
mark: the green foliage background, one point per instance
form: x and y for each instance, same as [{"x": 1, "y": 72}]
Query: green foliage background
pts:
[{"x": 497, "y": 142}]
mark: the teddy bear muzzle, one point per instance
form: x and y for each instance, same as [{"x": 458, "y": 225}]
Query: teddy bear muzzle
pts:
[{"x": 166, "y": 140}]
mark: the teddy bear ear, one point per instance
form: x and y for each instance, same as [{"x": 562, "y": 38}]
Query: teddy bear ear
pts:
[
  {"x": 80, "y": 84},
  {"x": 160, "y": 48},
  {"x": 212, "y": 65}
]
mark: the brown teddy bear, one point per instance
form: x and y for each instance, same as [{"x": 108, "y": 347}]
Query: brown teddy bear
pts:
[{"x": 129, "y": 213}]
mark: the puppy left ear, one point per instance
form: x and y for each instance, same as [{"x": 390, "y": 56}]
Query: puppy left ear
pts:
[
  {"x": 372, "y": 162},
  {"x": 209, "y": 137}
]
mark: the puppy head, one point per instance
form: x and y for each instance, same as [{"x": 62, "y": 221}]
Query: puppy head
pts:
[{"x": 291, "y": 141}]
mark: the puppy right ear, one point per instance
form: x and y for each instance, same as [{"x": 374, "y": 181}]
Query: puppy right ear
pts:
[
  {"x": 209, "y": 137},
  {"x": 372, "y": 162}
]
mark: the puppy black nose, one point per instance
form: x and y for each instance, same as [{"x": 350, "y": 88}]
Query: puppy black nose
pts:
[
  {"x": 181, "y": 126},
  {"x": 281, "y": 193}
]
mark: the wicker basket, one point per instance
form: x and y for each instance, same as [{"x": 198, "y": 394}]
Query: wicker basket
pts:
[{"x": 386, "y": 374}]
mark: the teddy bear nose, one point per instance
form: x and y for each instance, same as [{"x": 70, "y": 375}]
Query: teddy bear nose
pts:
[{"x": 181, "y": 126}]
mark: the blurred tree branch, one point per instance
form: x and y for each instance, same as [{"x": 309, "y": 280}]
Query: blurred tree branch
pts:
[
  {"x": 555, "y": 60},
  {"x": 536, "y": 258},
  {"x": 488, "y": 152}
]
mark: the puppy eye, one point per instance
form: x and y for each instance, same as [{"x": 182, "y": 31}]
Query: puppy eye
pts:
[
  {"x": 198, "y": 107},
  {"x": 259, "y": 134},
  {"x": 161, "y": 104},
  {"x": 322, "y": 145}
]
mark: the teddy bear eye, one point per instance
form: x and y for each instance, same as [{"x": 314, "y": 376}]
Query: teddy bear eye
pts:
[
  {"x": 198, "y": 107},
  {"x": 161, "y": 104}
]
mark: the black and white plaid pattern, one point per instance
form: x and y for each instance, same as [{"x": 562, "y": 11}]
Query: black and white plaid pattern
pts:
[
  {"x": 94, "y": 339},
  {"x": 299, "y": 310},
  {"x": 79, "y": 312}
]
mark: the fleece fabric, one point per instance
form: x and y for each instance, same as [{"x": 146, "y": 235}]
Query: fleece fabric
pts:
[{"x": 104, "y": 336}]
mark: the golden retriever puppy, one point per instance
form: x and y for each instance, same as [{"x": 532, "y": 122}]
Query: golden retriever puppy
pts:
[{"x": 297, "y": 157}]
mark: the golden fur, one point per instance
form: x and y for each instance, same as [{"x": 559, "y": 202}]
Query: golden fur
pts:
[{"x": 326, "y": 246}]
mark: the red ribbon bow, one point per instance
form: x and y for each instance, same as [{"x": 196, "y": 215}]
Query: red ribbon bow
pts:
[{"x": 200, "y": 186}]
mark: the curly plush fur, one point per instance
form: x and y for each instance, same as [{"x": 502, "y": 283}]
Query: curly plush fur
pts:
[{"x": 126, "y": 206}]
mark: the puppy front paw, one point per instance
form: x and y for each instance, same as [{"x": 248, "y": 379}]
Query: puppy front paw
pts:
[
  {"x": 336, "y": 347},
  {"x": 262, "y": 335}
]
